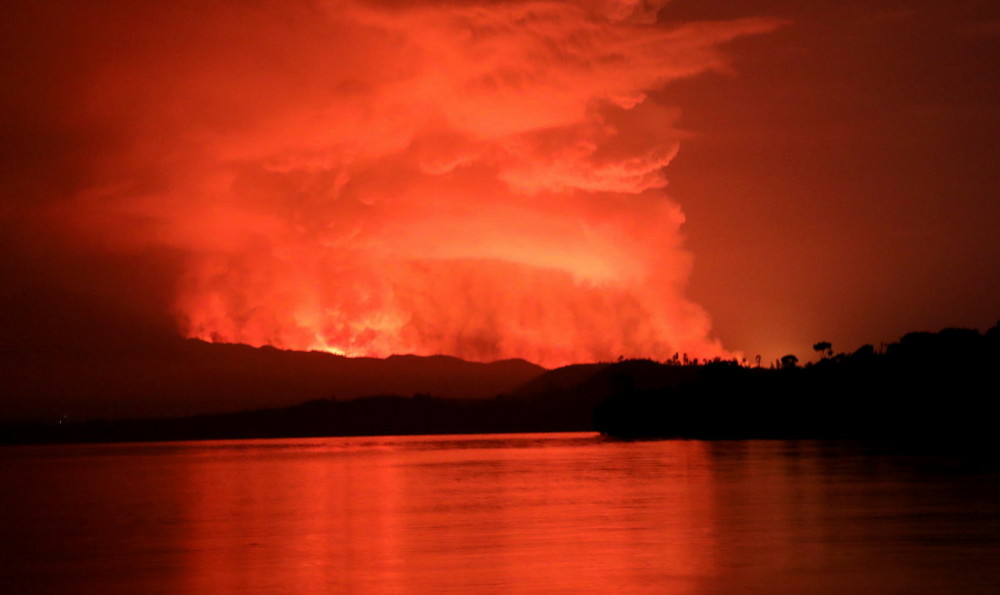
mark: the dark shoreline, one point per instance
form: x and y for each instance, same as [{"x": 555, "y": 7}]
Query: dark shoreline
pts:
[{"x": 934, "y": 389}]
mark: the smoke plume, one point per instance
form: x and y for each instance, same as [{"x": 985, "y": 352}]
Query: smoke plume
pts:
[{"x": 480, "y": 179}]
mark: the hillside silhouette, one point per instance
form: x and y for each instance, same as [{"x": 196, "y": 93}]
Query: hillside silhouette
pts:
[
  {"x": 98, "y": 375},
  {"x": 71, "y": 357}
]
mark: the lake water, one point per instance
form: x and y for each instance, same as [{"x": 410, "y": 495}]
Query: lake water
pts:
[{"x": 524, "y": 513}]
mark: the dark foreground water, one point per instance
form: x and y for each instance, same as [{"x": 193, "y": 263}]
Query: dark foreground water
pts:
[{"x": 520, "y": 513}]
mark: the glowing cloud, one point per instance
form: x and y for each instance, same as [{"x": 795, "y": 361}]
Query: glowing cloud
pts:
[{"x": 477, "y": 179}]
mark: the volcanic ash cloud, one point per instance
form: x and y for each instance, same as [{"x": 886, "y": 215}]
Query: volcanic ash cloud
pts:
[{"x": 481, "y": 180}]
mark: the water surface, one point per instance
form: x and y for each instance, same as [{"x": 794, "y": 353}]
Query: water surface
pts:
[{"x": 497, "y": 514}]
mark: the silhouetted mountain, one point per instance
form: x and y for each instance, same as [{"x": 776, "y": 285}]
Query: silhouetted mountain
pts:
[
  {"x": 65, "y": 355},
  {"x": 566, "y": 378},
  {"x": 87, "y": 360},
  {"x": 571, "y": 393},
  {"x": 930, "y": 389}
]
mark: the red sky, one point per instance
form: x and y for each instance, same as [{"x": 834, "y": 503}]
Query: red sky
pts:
[{"x": 559, "y": 181}]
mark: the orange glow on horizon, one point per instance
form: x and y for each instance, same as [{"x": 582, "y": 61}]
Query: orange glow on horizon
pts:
[{"x": 484, "y": 181}]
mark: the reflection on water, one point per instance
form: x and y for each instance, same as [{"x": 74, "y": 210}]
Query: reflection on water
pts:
[{"x": 513, "y": 513}]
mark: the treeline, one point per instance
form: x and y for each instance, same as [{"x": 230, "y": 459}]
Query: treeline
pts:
[{"x": 926, "y": 386}]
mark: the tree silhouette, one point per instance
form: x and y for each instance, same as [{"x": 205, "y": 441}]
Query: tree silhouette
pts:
[
  {"x": 824, "y": 346},
  {"x": 789, "y": 361}
]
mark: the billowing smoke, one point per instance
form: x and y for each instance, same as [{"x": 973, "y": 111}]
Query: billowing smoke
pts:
[{"x": 480, "y": 179}]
